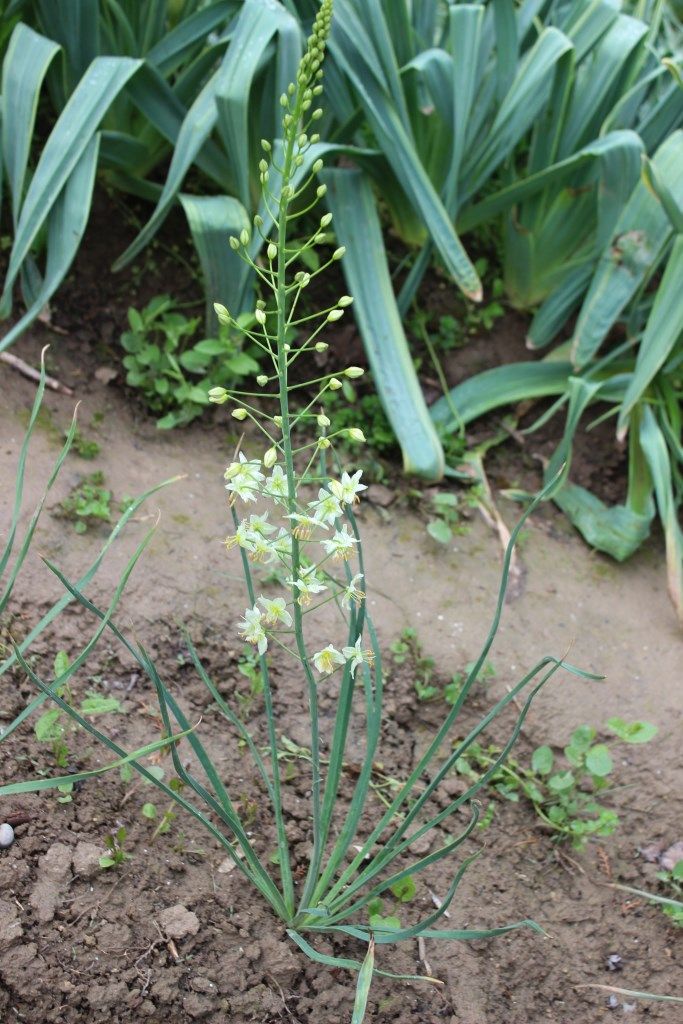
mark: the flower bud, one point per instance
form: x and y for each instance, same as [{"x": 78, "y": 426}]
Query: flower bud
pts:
[
  {"x": 218, "y": 395},
  {"x": 261, "y": 380},
  {"x": 322, "y": 420},
  {"x": 321, "y": 191},
  {"x": 258, "y": 221},
  {"x": 222, "y": 314},
  {"x": 265, "y": 146},
  {"x": 244, "y": 236},
  {"x": 323, "y": 442},
  {"x": 263, "y": 166},
  {"x": 335, "y": 314},
  {"x": 317, "y": 114},
  {"x": 355, "y": 433},
  {"x": 339, "y": 253},
  {"x": 346, "y": 300},
  {"x": 325, "y": 220},
  {"x": 321, "y": 346},
  {"x": 334, "y": 385},
  {"x": 239, "y": 413},
  {"x": 317, "y": 167},
  {"x": 284, "y": 102},
  {"x": 234, "y": 243},
  {"x": 260, "y": 317},
  {"x": 272, "y": 251},
  {"x": 354, "y": 371},
  {"x": 270, "y": 458},
  {"x": 277, "y": 420}
]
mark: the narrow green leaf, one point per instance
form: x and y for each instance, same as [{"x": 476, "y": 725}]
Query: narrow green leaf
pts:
[
  {"x": 663, "y": 330},
  {"x": 363, "y": 985}
]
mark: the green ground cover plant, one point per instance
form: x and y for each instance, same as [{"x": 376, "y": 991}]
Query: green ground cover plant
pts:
[
  {"x": 313, "y": 536},
  {"x": 174, "y": 370},
  {"x": 564, "y": 792}
]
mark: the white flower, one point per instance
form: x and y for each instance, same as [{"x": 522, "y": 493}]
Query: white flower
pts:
[
  {"x": 327, "y": 508},
  {"x": 282, "y": 545},
  {"x": 304, "y": 525},
  {"x": 352, "y": 592},
  {"x": 261, "y": 548},
  {"x": 276, "y": 486},
  {"x": 251, "y": 629},
  {"x": 356, "y": 656},
  {"x": 244, "y": 478},
  {"x": 260, "y": 524},
  {"x": 328, "y": 660},
  {"x": 276, "y": 611},
  {"x": 307, "y": 584},
  {"x": 348, "y": 488},
  {"x": 341, "y": 545}
]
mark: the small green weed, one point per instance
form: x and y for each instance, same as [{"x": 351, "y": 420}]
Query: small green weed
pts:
[
  {"x": 88, "y": 502},
  {"x": 408, "y": 648},
  {"x": 347, "y": 409},
  {"x": 563, "y": 792},
  {"x": 83, "y": 446},
  {"x": 53, "y": 727},
  {"x": 116, "y": 855},
  {"x": 446, "y": 519},
  {"x": 174, "y": 371},
  {"x": 672, "y": 882}
]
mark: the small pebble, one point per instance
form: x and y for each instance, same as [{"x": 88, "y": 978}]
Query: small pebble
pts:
[{"x": 6, "y": 836}]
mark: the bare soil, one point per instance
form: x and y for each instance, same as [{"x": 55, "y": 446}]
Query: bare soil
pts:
[{"x": 79, "y": 944}]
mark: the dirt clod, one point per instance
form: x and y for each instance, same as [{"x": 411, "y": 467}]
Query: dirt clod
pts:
[{"x": 178, "y": 922}]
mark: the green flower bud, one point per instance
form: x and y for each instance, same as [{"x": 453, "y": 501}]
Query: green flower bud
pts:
[
  {"x": 317, "y": 114},
  {"x": 321, "y": 346},
  {"x": 334, "y": 384},
  {"x": 284, "y": 102},
  {"x": 261, "y": 380},
  {"x": 277, "y": 420},
  {"x": 345, "y": 301},
  {"x": 322, "y": 420},
  {"x": 270, "y": 458},
  {"x": 265, "y": 145},
  {"x": 260, "y": 317},
  {"x": 244, "y": 236},
  {"x": 239, "y": 413},
  {"x": 317, "y": 167},
  {"x": 218, "y": 395},
  {"x": 323, "y": 442},
  {"x": 258, "y": 221},
  {"x": 272, "y": 251},
  {"x": 355, "y": 434},
  {"x": 335, "y": 314},
  {"x": 325, "y": 220},
  {"x": 222, "y": 314},
  {"x": 263, "y": 166},
  {"x": 353, "y": 372},
  {"x": 234, "y": 243},
  {"x": 321, "y": 191},
  {"x": 339, "y": 253}
]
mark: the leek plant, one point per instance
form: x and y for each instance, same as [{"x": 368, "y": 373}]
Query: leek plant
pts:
[{"x": 303, "y": 522}]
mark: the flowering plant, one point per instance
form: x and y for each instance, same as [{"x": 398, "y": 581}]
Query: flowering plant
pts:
[{"x": 288, "y": 509}]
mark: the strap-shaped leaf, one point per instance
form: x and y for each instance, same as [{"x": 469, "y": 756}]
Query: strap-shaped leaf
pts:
[
  {"x": 65, "y": 146},
  {"x": 66, "y": 226},
  {"x": 211, "y": 220},
  {"x": 357, "y": 224}
]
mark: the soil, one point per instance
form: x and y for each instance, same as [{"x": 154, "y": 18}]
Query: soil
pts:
[{"x": 171, "y": 935}]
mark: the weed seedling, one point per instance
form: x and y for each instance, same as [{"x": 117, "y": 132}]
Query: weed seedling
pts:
[
  {"x": 83, "y": 446},
  {"x": 116, "y": 854},
  {"x": 172, "y": 369},
  {"x": 564, "y": 792},
  {"x": 89, "y": 502},
  {"x": 446, "y": 521}
]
